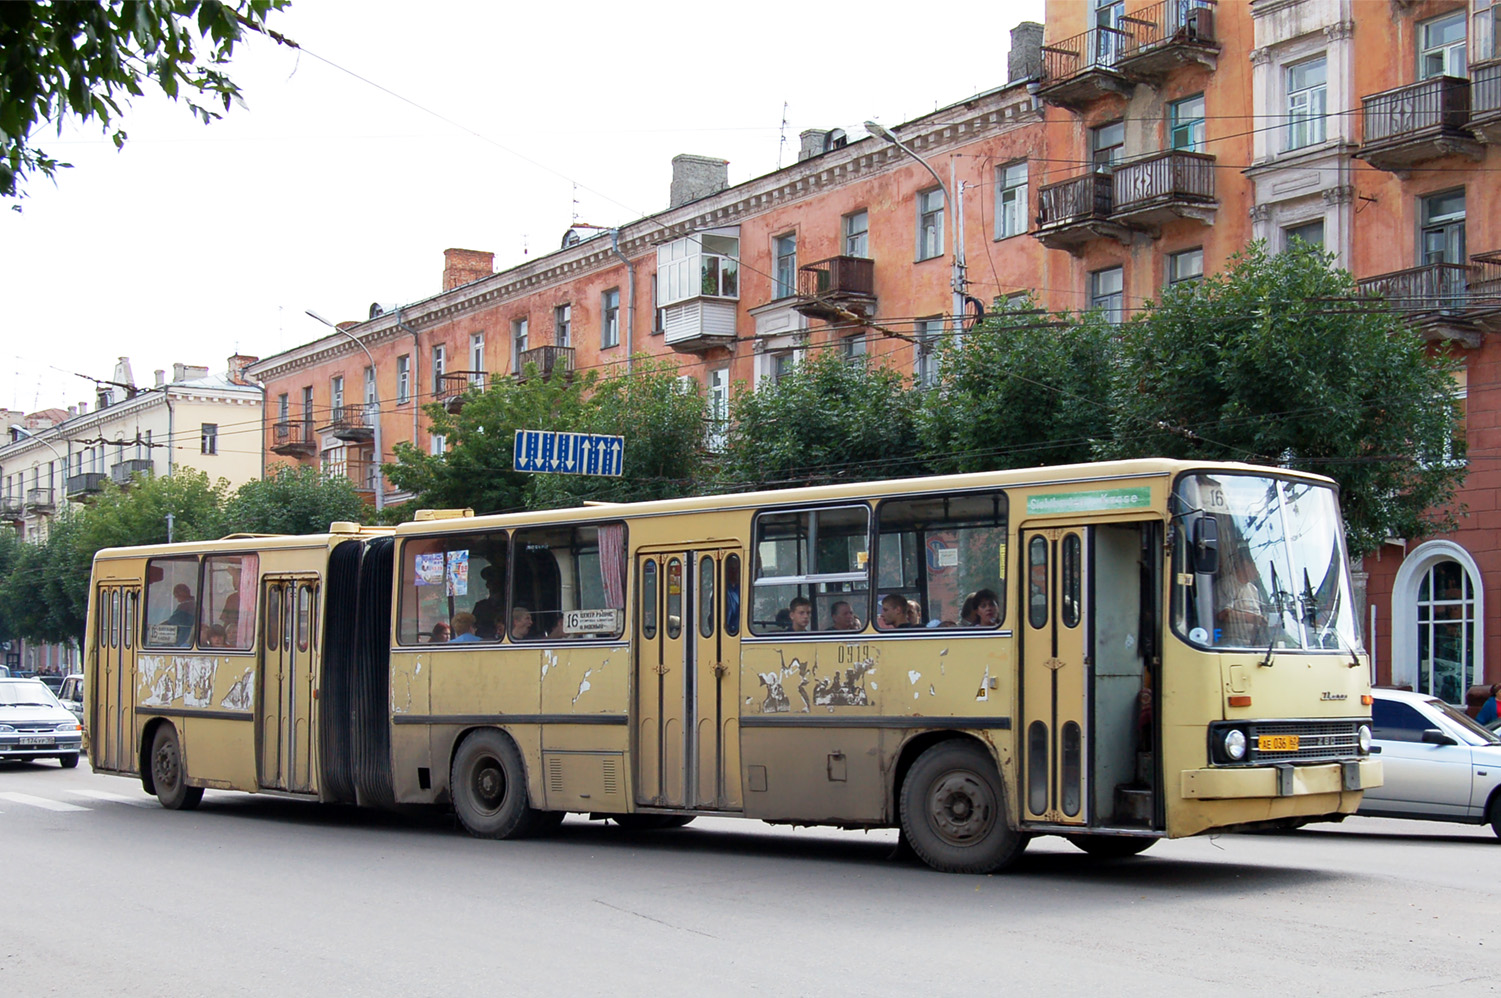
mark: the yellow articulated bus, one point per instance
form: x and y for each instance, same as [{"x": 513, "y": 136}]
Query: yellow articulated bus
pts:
[{"x": 1115, "y": 653}]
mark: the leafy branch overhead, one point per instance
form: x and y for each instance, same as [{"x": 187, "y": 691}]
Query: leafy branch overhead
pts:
[{"x": 85, "y": 59}]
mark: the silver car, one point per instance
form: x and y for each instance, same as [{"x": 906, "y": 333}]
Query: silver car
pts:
[
  {"x": 33, "y": 725},
  {"x": 1438, "y": 763}
]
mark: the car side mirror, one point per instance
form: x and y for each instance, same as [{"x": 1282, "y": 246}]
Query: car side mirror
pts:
[
  {"x": 1433, "y": 736},
  {"x": 1206, "y": 545}
]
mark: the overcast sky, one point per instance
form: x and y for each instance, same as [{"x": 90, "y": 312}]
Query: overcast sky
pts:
[{"x": 403, "y": 129}]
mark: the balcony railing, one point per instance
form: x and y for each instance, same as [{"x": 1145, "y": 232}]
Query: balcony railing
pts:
[
  {"x": 1446, "y": 301},
  {"x": 1485, "y": 100},
  {"x": 1090, "y": 196},
  {"x": 450, "y": 386},
  {"x": 85, "y": 485},
  {"x": 1097, "y": 48},
  {"x": 838, "y": 275},
  {"x": 549, "y": 360},
  {"x": 361, "y": 474},
  {"x": 11, "y": 507},
  {"x": 1173, "y": 176},
  {"x": 1144, "y": 45},
  {"x": 122, "y": 472},
  {"x": 1418, "y": 122},
  {"x": 41, "y": 501},
  {"x": 353, "y": 422},
  {"x": 1423, "y": 289},
  {"x": 294, "y": 437}
]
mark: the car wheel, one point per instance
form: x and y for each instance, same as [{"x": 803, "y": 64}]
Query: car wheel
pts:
[
  {"x": 1493, "y": 814},
  {"x": 68, "y": 761},
  {"x": 168, "y": 773}
]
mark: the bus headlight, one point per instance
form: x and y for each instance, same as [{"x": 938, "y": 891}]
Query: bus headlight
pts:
[
  {"x": 1235, "y": 744},
  {"x": 1363, "y": 739}
]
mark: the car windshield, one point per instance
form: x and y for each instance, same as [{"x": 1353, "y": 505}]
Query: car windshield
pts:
[
  {"x": 1479, "y": 733},
  {"x": 26, "y": 693},
  {"x": 1281, "y": 580}
]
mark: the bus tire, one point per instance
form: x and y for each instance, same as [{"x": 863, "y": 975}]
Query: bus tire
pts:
[
  {"x": 650, "y": 822},
  {"x": 1112, "y": 846},
  {"x": 953, "y": 811},
  {"x": 488, "y": 785},
  {"x": 168, "y": 775}
]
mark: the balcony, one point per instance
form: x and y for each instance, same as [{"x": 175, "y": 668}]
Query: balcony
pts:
[
  {"x": 360, "y": 473},
  {"x": 1416, "y": 123},
  {"x": 699, "y": 324},
  {"x": 11, "y": 508},
  {"x": 1153, "y": 190},
  {"x": 835, "y": 288},
  {"x": 294, "y": 438},
  {"x": 124, "y": 471},
  {"x": 549, "y": 360},
  {"x": 1166, "y": 35},
  {"x": 1452, "y": 302},
  {"x": 41, "y": 501},
  {"x": 1080, "y": 70},
  {"x": 1485, "y": 101},
  {"x": 1074, "y": 211},
  {"x": 353, "y": 422},
  {"x": 85, "y": 486},
  {"x": 450, "y": 387}
]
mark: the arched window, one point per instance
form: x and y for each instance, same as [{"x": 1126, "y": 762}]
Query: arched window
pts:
[{"x": 1438, "y": 638}]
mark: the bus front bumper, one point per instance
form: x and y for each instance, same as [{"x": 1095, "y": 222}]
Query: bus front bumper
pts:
[{"x": 1281, "y": 780}]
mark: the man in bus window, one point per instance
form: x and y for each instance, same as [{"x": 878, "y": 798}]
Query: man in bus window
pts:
[
  {"x": 521, "y": 624},
  {"x": 894, "y": 611},
  {"x": 1240, "y": 610},
  {"x": 463, "y": 627},
  {"x": 842, "y": 617},
  {"x": 185, "y": 616},
  {"x": 800, "y": 614},
  {"x": 489, "y": 611}
]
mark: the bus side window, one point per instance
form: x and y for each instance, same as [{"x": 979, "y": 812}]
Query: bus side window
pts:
[
  {"x": 1037, "y": 581},
  {"x": 674, "y": 598},
  {"x": 649, "y": 599},
  {"x": 273, "y": 618},
  {"x": 114, "y": 619},
  {"x": 1070, "y": 568},
  {"x": 732, "y": 594},
  {"x": 129, "y": 623},
  {"x": 706, "y": 596},
  {"x": 304, "y": 615},
  {"x": 171, "y": 602}
]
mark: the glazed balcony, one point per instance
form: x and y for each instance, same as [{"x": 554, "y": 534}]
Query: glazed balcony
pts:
[
  {"x": 353, "y": 423},
  {"x": 41, "y": 500},
  {"x": 1485, "y": 101},
  {"x": 1167, "y": 35},
  {"x": 294, "y": 438},
  {"x": 1075, "y": 211},
  {"x": 1163, "y": 187},
  {"x": 831, "y": 289},
  {"x": 1080, "y": 70},
  {"x": 85, "y": 486},
  {"x": 1456, "y": 302},
  {"x": 122, "y": 472},
  {"x": 548, "y": 361},
  {"x": 1417, "y": 123}
]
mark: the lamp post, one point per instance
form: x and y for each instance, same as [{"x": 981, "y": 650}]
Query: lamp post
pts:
[
  {"x": 380, "y": 491},
  {"x": 956, "y": 231}
]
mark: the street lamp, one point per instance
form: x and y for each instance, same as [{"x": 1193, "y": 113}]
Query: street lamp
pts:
[
  {"x": 23, "y": 431},
  {"x": 956, "y": 277},
  {"x": 380, "y": 491}
]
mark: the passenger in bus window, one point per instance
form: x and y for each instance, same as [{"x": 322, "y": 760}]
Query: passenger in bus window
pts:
[
  {"x": 800, "y": 614},
  {"x": 212, "y": 636},
  {"x": 914, "y": 613},
  {"x": 894, "y": 611},
  {"x": 982, "y": 608},
  {"x": 521, "y": 624},
  {"x": 186, "y": 614},
  {"x": 463, "y": 627},
  {"x": 842, "y": 617},
  {"x": 556, "y": 632},
  {"x": 1241, "y": 613},
  {"x": 440, "y": 633},
  {"x": 489, "y": 611}
]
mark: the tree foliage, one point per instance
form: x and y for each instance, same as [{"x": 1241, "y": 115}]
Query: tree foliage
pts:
[
  {"x": 85, "y": 59},
  {"x": 1280, "y": 360},
  {"x": 292, "y": 501}
]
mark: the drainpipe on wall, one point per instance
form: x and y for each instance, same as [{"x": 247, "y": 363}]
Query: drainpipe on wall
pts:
[
  {"x": 630, "y": 309},
  {"x": 416, "y": 387}
]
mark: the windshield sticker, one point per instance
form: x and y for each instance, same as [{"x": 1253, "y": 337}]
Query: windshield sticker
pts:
[{"x": 1103, "y": 500}]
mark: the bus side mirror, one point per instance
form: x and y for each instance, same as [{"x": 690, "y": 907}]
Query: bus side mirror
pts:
[{"x": 1206, "y": 545}]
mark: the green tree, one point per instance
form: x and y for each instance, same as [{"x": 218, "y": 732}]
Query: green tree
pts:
[
  {"x": 1280, "y": 359},
  {"x": 828, "y": 420},
  {"x": 1022, "y": 389},
  {"x": 293, "y": 501},
  {"x": 11, "y": 552},
  {"x": 85, "y": 59}
]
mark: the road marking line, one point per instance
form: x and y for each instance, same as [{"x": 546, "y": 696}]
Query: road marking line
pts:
[
  {"x": 105, "y": 795},
  {"x": 42, "y": 802}
]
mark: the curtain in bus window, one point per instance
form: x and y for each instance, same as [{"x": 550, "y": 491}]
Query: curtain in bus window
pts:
[
  {"x": 612, "y": 563},
  {"x": 171, "y": 602},
  {"x": 227, "y": 615}
]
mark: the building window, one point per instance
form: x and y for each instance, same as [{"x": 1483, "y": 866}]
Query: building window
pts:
[
  {"x": 336, "y": 396},
  {"x": 1307, "y": 102},
  {"x": 403, "y": 379},
  {"x": 853, "y": 348},
  {"x": 925, "y": 351},
  {"x": 1446, "y": 628},
  {"x": 784, "y": 255},
  {"x": 930, "y": 223},
  {"x": 209, "y": 441},
  {"x": 1441, "y": 46},
  {"x": 1106, "y": 293},
  {"x": 307, "y": 408},
  {"x": 1443, "y": 233},
  {"x": 1186, "y": 266},
  {"x": 562, "y": 325},
  {"x": 609, "y": 329},
  {"x": 477, "y": 359},
  {"x": 440, "y": 356},
  {"x": 857, "y": 233},
  {"x": 1186, "y": 123},
  {"x": 719, "y": 408},
  {"x": 1107, "y": 143},
  {"x": 1311, "y": 233},
  {"x": 371, "y": 399},
  {"x": 437, "y": 444},
  {"x": 1011, "y": 200},
  {"x": 705, "y": 264},
  {"x": 1107, "y": 18},
  {"x": 283, "y": 408},
  {"x": 518, "y": 342}
]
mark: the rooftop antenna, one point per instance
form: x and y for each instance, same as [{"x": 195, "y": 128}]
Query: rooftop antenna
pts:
[
  {"x": 575, "y": 202},
  {"x": 782, "y": 142}
]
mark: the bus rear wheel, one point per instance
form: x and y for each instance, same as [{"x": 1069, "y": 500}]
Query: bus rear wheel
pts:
[
  {"x": 953, "y": 811},
  {"x": 168, "y": 774},
  {"x": 488, "y": 785},
  {"x": 1112, "y": 846}
]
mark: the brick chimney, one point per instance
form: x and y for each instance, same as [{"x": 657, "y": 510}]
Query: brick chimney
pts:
[
  {"x": 695, "y": 177},
  {"x": 237, "y": 365},
  {"x": 460, "y": 266},
  {"x": 1024, "y": 61}
]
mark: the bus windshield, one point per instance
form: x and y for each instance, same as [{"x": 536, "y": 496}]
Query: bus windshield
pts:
[{"x": 1281, "y": 581}]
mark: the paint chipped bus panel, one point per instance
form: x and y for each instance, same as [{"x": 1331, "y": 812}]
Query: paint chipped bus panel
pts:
[{"x": 976, "y": 659}]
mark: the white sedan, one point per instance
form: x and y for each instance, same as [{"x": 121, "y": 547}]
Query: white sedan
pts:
[{"x": 1437, "y": 762}]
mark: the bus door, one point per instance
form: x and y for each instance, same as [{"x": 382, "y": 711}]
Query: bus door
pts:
[
  {"x": 1056, "y": 647},
  {"x": 112, "y": 686},
  {"x": 285, "y": 701},
  {"x": 687, "y": 675}
]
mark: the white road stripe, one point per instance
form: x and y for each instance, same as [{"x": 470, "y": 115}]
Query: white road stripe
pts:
[
  {"x": 105, "y": 795},
  {"x": 42, "y": 802}
]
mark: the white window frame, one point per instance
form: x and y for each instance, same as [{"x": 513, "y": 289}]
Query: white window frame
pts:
[
  {"x": 440, "y": 361},
  {"x": 925, "y": 352},
  {"x": 784, "y": 265},
  {"x": 1101, "y": 300},
  {"x": 1175, "y": 262},
  {"x": 857, "y": 233},
  {"x": 403, "y": 379},
  {"x": 520, "y": 332},
  {"x": 1446, "y": 58},
  {"x": 336, "y": 396},
  {"x": 1289, "y": 232},
  {"x": 477, "y": 358},
  {"x": 209, "y": 438},
  {"x": 1307, "y": 106},
  {"x": 1011, "y": 200},
  {"x": 609, "y": 326},
  {"x": 702, "y": 265},
  {"x": 930, "y": 222},
  {"x": 1405, "y": 667},
  {"x": 562, "y": 324}
]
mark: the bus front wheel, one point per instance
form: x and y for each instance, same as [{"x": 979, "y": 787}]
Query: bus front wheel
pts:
[
  {"x": 169, "y": 775},
  {"x": 488, "y": 785},
  {"x": 953, "y": 810}
]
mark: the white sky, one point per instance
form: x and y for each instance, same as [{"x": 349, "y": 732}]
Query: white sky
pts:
[{"x": 329, "y": 193}]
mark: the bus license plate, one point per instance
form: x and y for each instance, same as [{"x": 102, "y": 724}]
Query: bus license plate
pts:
[
  {"x": 1277, "y": 743},
  {"x": 33, "y": 740}
]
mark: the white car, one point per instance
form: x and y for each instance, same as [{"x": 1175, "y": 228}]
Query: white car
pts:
[
  {"x": 33, "y": 725},
  {"x": 1437, "y": 762}
]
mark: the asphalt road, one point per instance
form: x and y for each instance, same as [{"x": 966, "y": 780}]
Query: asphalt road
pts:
[{"x": 105, "y": 893}]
